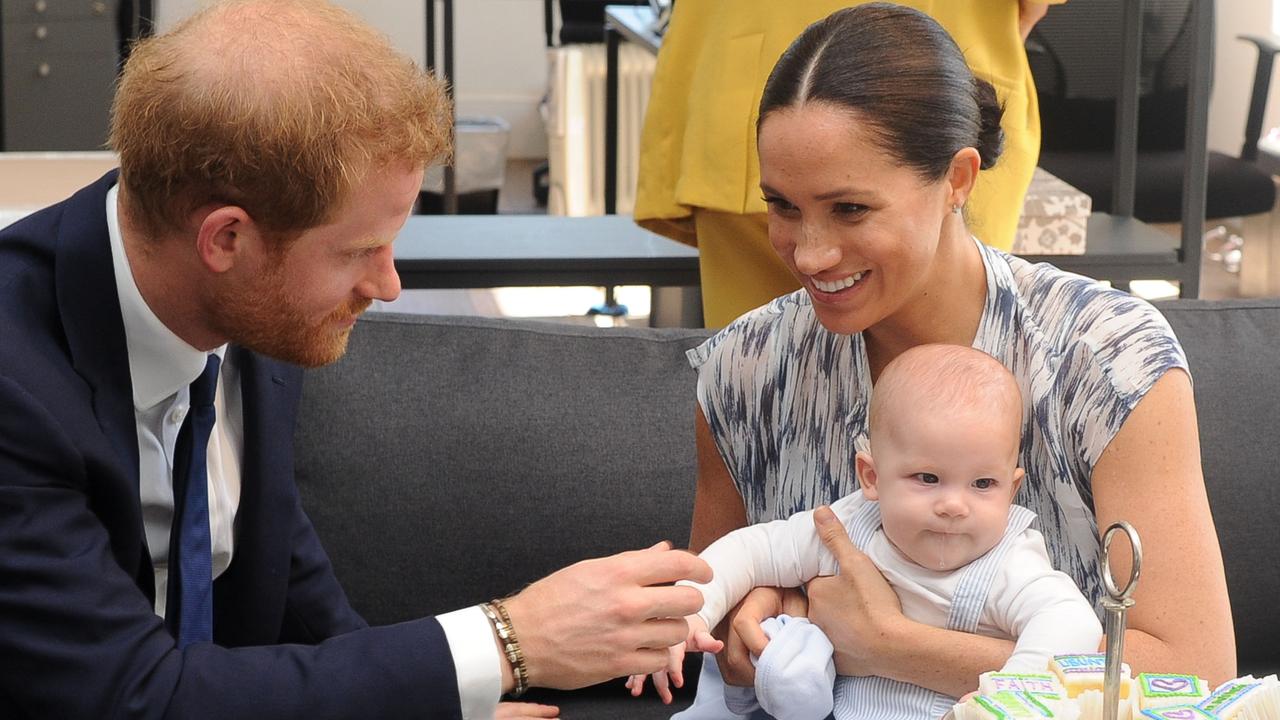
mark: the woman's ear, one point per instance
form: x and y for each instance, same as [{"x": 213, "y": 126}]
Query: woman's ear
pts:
[
  {"x": 962, "y": 175},
  {"x": 866, "y": 468}
]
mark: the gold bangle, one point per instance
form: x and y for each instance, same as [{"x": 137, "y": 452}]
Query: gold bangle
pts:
[{"x": 501, "y": 620}]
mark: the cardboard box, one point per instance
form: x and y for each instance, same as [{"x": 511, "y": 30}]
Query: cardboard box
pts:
[{"x": 1054, "y": 218}]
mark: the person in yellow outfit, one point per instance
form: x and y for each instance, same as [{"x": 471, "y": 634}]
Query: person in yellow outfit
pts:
[{"x": 699, "y": 179}]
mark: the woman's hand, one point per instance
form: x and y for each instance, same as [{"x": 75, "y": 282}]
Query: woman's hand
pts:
[
  {"x": 1029, "y": 13},
  {"x": 861, "y": 615},
  {"x": 743, "y": 636},
  {"x": 856, "y": 608},
  {"x": 516, "y": 710}
]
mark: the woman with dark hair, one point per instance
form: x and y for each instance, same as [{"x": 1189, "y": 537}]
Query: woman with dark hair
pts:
[
  {"x": 698, "y": 180},
  {"x": 872, "y": 132}
]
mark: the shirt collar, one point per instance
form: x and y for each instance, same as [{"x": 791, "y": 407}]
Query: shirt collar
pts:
[{"x": 160, "y": 362}]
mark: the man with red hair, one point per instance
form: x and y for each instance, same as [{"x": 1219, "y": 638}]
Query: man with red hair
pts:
[{"x": 154, "y": 557}]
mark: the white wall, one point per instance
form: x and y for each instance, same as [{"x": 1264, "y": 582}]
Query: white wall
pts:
[
  {"x": 1233, "y": 72},
  {"x": 501, "y": 65},
  {"x": 499, "y": 55}
]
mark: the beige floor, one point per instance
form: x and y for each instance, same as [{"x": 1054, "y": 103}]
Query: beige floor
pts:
[{"x": 1215, "y": 282}]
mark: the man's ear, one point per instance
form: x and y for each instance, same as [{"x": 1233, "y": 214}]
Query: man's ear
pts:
[
  {"x": 962, "y": 175},
  {"x": 866, "y": 468},
  {"x": 223, "y": 236}
]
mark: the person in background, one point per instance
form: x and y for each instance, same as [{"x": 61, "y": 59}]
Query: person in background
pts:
[
  {"x": 698, "y": 180},
  {"x": 868, "y": 156},
  {"x": 154, "y": 558}
]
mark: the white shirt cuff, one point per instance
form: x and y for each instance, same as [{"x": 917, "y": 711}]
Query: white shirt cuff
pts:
[{"x": 476, "y": 660}]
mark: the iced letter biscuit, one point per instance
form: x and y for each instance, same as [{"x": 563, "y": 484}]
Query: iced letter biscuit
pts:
[
  {"x": 1162, "y": 690},
  {"x": 1244, "y": 698},
  {"x": 1078, "y": 673},
  {"x": 1177, "y": 712},
  {"x": 1007, "y": 705},
  {"x": 990, "y": 683}
]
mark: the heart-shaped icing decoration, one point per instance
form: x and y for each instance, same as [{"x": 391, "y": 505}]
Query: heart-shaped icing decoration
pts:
[{"x": 1171, "y": 684}]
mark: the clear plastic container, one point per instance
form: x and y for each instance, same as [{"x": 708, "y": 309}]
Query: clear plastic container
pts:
[{"x": 480, "y": 156}]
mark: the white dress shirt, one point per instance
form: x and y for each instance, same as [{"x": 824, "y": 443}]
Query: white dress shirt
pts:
[{"x": 162, "y": 366}]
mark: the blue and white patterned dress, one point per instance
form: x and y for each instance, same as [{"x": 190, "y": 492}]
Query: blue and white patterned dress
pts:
[{"x": 786, "y": 399}]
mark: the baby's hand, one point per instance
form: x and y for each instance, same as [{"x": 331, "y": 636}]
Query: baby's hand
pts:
[
  {"x": 699, "y": 640},
  {"x": 663, "y": 679}
]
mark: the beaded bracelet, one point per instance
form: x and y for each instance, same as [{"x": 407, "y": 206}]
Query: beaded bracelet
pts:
[{"x": 497, "y": 614}]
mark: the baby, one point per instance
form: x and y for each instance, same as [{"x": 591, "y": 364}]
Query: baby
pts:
[{"x": 935, "y": 513}]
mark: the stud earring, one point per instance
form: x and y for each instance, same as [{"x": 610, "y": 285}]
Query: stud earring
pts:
[{"x": 955, "y": 209}]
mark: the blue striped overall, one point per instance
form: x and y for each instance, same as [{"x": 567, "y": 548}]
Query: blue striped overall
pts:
[{"x": 877, "y": 698}]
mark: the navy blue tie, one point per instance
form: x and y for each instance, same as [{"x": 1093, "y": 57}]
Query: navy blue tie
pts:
[{"x": 189, "y": 604}]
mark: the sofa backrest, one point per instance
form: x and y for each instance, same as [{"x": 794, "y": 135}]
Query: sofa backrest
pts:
[
  {"x": 1233, "y": 347},
  {"x": 446, "y": 461}
]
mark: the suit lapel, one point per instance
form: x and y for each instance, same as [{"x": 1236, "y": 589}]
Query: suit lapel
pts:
[
  {"x": 90, "y": 312},
  {"x": 89, "y": 306}
]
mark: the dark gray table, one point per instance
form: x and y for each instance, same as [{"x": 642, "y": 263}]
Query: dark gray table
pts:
[
  {"x": 1121, "y": 250},
  {"x": 477, "y": 251}
]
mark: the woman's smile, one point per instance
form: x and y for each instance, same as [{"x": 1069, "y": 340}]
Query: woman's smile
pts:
[{"x": 832, "y": 287}]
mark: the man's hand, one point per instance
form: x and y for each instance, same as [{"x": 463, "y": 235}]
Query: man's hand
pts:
[
  {"x": 743, "y": 636},
  {"x": 856, "y": 608},
  {"x": 519, "y": 710},
  {"x": 605, "y": 618}
]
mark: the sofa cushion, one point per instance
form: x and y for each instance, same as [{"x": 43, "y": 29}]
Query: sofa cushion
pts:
[
  {"x": 1233, "y": 347},
  {"x": 445, "y": 461}
]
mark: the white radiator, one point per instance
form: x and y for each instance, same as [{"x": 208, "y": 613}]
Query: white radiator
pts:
[{"x": 575, "y": 126}]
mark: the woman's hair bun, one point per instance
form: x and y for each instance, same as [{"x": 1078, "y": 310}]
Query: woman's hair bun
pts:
[{"x": 990, "y": 134}]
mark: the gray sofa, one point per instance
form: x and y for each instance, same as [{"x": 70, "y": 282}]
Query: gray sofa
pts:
[{"x": 446, "y": 461}]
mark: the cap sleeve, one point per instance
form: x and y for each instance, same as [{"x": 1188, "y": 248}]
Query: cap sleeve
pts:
[{"x": 1124, "y": 347}]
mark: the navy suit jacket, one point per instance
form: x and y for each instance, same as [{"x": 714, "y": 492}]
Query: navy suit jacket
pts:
[{"x": 78, "y": 634}]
